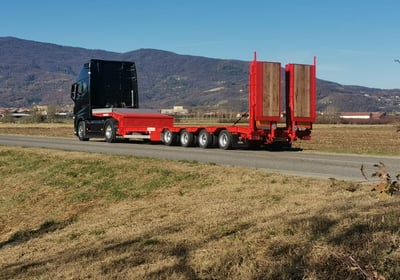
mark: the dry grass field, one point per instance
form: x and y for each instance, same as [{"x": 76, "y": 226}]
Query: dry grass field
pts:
[
  {"x": 38, "y": 129},
  {"x": 71, "y": 215},
  {"x": 356, "y": 139}
]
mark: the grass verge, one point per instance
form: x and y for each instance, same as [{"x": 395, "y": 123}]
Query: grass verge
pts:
[{"x": 77, "y": 215}]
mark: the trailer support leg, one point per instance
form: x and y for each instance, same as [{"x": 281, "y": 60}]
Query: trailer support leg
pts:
[{"x": 272, "y": 131}]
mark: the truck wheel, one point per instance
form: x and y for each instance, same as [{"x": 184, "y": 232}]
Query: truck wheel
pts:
[
  {"x": 205, "y": 139},
  {"x": 110, "y": 131},
  {"x": 169, "y": 138},
  {"x": 187, "y": 138},
  {"x": 82, "y": 131},
  {"x": 225, "y": 140}
]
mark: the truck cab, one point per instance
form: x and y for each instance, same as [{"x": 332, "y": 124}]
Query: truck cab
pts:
[{"x": 102, "y": 84}]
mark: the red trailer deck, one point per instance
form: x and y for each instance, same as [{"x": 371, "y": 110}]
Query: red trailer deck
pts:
[{"x": 265, "y": 114}]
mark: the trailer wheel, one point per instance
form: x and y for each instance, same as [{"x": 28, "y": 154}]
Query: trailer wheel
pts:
[
  {"x": 205, "y": 139},
  {"x": 225, "y": 140},
  {"x": 187, "y": 138},
  {"x": 110, "y": 131},
  {"x": 82, "y": 131},
  {"x": 169, "y": 138}
]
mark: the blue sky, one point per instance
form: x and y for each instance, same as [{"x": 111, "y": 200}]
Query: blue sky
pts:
[{"x": 355, "y": 41}]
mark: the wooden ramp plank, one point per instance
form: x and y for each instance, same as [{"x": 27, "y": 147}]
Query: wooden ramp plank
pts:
[
  {"x": 271, "y": 97},
  {"x": 302, "y": 89}
]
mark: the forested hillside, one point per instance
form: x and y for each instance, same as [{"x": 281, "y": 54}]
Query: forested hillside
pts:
[{"x": 41, "y": 73}]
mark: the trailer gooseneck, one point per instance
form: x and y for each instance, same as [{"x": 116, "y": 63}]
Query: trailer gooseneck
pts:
[{"x": 106, "y": 106}]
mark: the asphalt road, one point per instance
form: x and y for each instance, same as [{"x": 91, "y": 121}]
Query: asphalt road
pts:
[{"x": 323, "y": 165}]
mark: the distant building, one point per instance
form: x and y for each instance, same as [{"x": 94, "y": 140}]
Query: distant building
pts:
[
  {"x": 3, "y": 112},
  {"x": 362, "y": 115},
  {"x": 19, "y": 112},
  {"x": 356, "y": 115},
  {"x": 176, "y": 110},
  {"x": 378, "y": 115}
]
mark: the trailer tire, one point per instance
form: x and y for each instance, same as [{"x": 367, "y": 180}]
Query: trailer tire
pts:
[
  {"x": 82, "y": 131},
  {"x": 187, "y": 139},
  {"x": 110, "y": 133},
  {"x": 169, "y": 138},
  {"x": 205, "y": 139},
  {"x": 225, "y": 140}
]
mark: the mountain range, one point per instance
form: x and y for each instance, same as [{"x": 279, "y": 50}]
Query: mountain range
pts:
[{"x": 41, "y": 73}]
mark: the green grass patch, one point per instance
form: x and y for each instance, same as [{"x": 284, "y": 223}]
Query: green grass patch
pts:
[{"x": 92, "y": 178}]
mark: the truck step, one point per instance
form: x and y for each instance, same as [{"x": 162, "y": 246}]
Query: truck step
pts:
[{"x": 136, "y": 136}]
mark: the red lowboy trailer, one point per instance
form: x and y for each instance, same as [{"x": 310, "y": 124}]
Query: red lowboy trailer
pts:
[{"x": 264, "y": 115}]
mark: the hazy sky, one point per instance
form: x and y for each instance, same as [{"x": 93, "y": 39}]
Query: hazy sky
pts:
[{"x": 355, "y": 41}]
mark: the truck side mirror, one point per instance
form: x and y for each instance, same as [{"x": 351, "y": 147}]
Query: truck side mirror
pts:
[{"x": 74, "y": 90}]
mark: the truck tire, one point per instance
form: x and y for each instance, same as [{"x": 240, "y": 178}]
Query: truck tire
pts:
[
  {"x": 110, "y": 130},
  {"x": 82, "y": 131},
  {"x": 187, "y": 139},
  {"x": 225, "y": 140},
  {"x": 169, "y": 138},
  {"x": 205, "y": 139}
]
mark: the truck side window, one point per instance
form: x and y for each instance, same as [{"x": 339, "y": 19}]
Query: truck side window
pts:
[
  {"x": 81, "y": 89},
  {"x": 84, "y": 87},
  {"x": 74, "y": 89}
]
